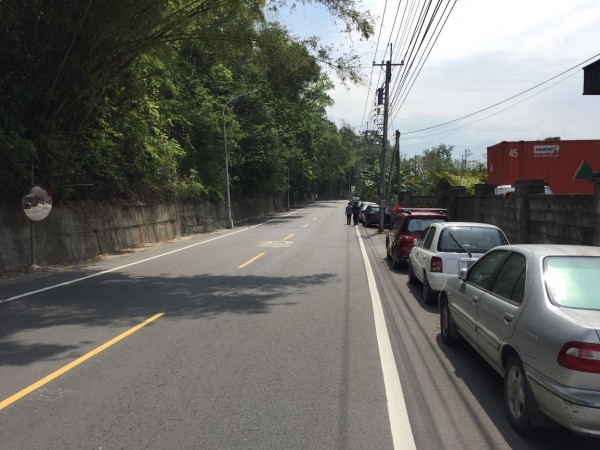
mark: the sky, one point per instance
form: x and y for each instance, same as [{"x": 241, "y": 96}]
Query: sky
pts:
[{"x": 487, "y": 52}]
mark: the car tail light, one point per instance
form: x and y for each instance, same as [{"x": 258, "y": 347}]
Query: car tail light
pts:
[
  {"x": 580, "y": 356},
  {"x": 436, "y": 264}
]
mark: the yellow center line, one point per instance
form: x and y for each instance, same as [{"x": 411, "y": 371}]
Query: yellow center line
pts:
[
  {"x": 288, "y": 237},
  {"x": 47, "y": 379},
  {"x": 315, "y": 218},
  {"x": 306, "y": 225},
  {"x": 251, "y": 260}
]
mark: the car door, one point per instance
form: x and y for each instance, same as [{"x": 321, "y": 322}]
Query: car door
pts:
[
  {"x": 421, "y": 252},
  {"x": 463, "y": 302},
  {"x": 498, "y": 309}
]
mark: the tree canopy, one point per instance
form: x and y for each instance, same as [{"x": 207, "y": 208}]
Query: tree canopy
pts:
[
  {"x": 125, "y": 100},
  {"x": 128, "y": 100}
]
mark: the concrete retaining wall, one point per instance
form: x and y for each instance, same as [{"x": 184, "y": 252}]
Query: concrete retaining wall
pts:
[
  {"x": 72, "y": 234},
  {"x": 527, "y": 215}
]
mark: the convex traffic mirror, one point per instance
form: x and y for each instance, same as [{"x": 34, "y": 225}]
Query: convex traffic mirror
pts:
[{"x": 37, "y": 203}]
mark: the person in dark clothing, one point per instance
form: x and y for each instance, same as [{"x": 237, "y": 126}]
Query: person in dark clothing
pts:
[
  {"x": 348, "y": 213},
  {"x": 355, "y": 213}
]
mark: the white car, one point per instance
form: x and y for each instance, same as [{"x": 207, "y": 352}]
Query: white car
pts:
[
  {"x": 507, "y": 189},
  {"x": 446, "y": 247}
]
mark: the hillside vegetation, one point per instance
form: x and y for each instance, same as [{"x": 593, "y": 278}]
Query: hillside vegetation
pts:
[{"x": 125, "y": 100}]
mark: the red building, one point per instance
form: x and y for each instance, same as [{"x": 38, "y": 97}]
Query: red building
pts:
[{"x": 566, "y": 166}]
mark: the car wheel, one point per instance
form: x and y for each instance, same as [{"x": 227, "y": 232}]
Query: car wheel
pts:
[
  {"x": 396, "y": 262},
  {"x": 518, "y": 399},
  {"x": 412, "y": 279},
  {"x": 447, "y": 326},
  {"x": 428, "y": 294}
]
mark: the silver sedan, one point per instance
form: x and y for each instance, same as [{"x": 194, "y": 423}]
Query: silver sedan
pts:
[{"x": 533, "y": 313}]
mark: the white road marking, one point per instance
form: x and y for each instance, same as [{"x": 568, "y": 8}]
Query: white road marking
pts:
[
  {"x": 401, "y": 431},
  {"x": 114, "y": 269}
]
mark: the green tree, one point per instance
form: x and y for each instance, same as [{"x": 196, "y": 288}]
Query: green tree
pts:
[{"x": 128, "y": 96}]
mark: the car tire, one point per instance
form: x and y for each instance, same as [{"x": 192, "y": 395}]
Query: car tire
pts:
[
  {"x": 428, "y": 294},
  {"x": 447, "y": 326},
  {"x": 518, "y": 399},
  {"x": 412, "y": 278},
  {"x": 396, "y": 263}
]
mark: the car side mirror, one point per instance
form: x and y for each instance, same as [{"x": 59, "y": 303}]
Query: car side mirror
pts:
[{"x": 462, "y": 274}]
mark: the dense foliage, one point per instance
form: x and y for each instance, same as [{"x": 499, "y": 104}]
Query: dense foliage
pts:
[
  {"x": 420, "y": 175},
  {"x": 127, "y": 100}
]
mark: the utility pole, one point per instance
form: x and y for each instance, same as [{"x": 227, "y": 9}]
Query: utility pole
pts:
[
  {"x": 398, "y": 172},
  {"x": 386, "y": 106},
  {"x": 394, "y": 163}
]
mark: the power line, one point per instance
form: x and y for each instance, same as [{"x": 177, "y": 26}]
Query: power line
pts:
[
  {"x": 493, "y": 114},
  {"x": 505, "y": 100}
]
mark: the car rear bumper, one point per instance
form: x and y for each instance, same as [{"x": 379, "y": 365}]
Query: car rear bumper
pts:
[
  {"x": 436, "y": 279},
  {"x": 575, "y": 409}
]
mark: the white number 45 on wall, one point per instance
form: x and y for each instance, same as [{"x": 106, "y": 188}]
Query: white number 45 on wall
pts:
[{"x": 513, "y": 153}]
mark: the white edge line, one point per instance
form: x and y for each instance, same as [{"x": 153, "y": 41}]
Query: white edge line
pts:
[
  {"x": 77, "y": 280},
  {"x": 399, "y": 423}
]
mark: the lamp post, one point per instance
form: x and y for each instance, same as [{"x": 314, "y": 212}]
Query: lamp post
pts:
[{"x": 229, "y": 217}]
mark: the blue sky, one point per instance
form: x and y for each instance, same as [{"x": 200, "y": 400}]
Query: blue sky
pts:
[{"x": 488, "y": 51}]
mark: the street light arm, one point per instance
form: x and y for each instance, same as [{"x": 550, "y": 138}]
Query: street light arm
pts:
[{"x": 236, "y": 97}]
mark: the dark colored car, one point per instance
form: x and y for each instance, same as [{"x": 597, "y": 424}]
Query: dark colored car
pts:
[
  {"x": 408, "y": 226},
  {"x": 371, "y": 216},
  {"x": 363, "y": 206}
]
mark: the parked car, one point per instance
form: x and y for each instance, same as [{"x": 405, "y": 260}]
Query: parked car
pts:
[
  {"x": 371, "y": 216},
  {"x": 504, "y": 189},
  {"x": 446, "y": 247},
  {"x": 532, "y": 312},
  {"x": 363, "y": 206},
  {"x": 408, "y": 226}
]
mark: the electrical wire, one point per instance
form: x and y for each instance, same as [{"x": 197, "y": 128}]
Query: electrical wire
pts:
[
  {"x": 489, "y": 115},
  {"x": 419, "y": 26},
  {"x": 505, "y": 100}
]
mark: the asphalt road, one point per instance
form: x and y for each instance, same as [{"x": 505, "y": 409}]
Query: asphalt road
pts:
[{"x": 292, "y": 333}]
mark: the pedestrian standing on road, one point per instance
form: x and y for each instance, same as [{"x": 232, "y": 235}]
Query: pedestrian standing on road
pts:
[
  {"x": 355, "y": 213},
  {"x": 348, "y": 213}
]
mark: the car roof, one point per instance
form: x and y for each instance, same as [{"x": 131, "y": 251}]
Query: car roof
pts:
[
  {"x": 542, "y": 250},
  {"x": 423, "y": 212},
  {"x": 463, "y": 224}
]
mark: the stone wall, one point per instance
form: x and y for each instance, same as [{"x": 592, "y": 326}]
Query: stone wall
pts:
[
  {"x": 527, "y": 215},
  {"x": 72, "y": 234}
]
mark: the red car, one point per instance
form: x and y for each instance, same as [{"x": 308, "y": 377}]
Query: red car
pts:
[{"x": 408, "y": 226}]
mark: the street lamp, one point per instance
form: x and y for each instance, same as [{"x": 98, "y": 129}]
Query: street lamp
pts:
[{"x": 229, "y": 217}]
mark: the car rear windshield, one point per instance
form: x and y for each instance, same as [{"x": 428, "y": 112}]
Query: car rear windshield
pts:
[
  {"x": 418, "y": 224},
  {"x": 571, "y": 281},
  {"x": 472, "y": 239}
]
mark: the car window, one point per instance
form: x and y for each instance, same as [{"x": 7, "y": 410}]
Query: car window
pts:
[
  {"x": 572, "y": 280},
  {"x": 472, "y": 239},
  {"x": 418, "y": 224},
  {"x": 421, "y": 242},
  {"x": 510, "y": 281},
  {"x": 483, "y": 270},
  {"x": 428, "y": 238}
]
